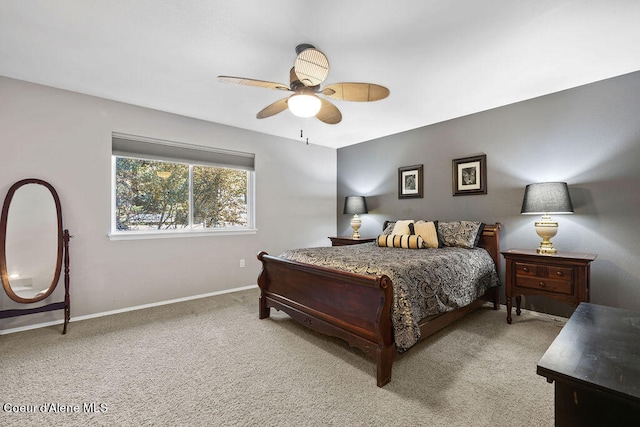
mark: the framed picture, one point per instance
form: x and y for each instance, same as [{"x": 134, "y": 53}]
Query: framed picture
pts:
[
  {"x": 470, "y": 175},
  {"x": 410, "y": 182}
]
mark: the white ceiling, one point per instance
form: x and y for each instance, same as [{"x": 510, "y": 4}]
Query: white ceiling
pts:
[{"x": 441, "y": 59}]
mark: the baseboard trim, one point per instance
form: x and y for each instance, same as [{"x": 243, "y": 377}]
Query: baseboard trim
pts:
[
  {"x": 124, "y": 310},
  {"x": 541, "y": 316},
  {"x": 545, "y": 316}
]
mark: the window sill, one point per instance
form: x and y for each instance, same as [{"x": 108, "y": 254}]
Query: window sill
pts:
[{"x": 142, "y": 235}]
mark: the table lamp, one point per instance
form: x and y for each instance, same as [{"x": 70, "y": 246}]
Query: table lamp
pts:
[
  {"x": 546, "y": 198},
  {"x": 355, "y": 205}
]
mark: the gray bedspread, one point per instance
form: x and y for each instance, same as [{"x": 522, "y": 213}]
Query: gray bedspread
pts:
[{"x": 425, "y": 281}]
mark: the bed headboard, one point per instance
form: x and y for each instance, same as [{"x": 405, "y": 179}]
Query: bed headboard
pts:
[{"x": 490, "y": 240}]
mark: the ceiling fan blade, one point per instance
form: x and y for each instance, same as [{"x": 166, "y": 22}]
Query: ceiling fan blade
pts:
[
  {"x": 273, "y": 109},
  {"x": 329, "y": 113},
  {"x": 253, "y": 82},
  {"x": 359, "y": 92},
  {"x": 311, "y": 66}
]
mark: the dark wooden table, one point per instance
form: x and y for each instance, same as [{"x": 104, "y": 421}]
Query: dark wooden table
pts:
[
  {"x": 595, "y": 363},
  {"x": 348, "y": 240}
]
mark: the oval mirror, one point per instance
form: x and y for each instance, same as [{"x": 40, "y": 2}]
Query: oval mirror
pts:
[{"x": 32, "y": 241}]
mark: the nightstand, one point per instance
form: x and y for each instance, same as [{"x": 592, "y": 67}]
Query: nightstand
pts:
[
  {"x": 348, "y": 240},
  {"x": 563, "y": 276}
]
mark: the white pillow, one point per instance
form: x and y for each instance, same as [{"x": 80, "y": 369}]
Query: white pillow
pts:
[{"x": 402, "y": 227}]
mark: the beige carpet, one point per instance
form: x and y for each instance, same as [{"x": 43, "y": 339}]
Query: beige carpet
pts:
[{"x": 213, "y": 362}]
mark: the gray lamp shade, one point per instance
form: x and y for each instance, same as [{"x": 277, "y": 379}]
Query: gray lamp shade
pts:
[
  {"x": 355, "y": 205},
  {"x": 547, "y": 198}
]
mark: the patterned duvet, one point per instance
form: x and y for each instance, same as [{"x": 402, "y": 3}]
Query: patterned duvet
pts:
[{"x": 425, "y": 281}]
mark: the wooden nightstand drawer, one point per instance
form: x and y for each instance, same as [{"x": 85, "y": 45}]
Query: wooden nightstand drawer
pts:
[
  {"x": 560, "y": 273},
  {"x": 523, "y": 269},
  {"x": 545, "y": 285},
  {"x": 564, "y": 274}
]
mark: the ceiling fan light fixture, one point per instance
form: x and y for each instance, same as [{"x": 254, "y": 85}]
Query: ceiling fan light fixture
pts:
[
  {"x": 304, "y": 105},
  {"x": 309, "y": 71}
]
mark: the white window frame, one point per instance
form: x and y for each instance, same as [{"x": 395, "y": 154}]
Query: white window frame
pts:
[{"x": 115, "y": 234}]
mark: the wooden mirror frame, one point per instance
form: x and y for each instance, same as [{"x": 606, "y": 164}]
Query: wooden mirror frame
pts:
[
  {"x": 62, "y": 249},
  {"x": 3, "y": 240}
]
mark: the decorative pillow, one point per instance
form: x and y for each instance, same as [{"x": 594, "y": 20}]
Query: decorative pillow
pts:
[
  {"x": 462, "y": 234},
  {"x": 401, "y": 241},
  {"x": 403, "y": 227},
  {"x": 428, "y": 231},
  {"x": 389, "y": 229},
  {"x": 480, "y": 231}
]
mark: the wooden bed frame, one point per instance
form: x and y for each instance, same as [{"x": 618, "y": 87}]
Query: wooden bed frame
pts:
[{"x": 353, "y": 307}]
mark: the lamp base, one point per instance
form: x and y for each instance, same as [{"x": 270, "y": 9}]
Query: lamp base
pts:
[
  {"x": 546, "y": 250},
  {"x": 546, "y": 229},
  {"x": 355, "y": 224}
]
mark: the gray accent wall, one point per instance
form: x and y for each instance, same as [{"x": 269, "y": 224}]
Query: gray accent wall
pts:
[
  {"x": 588, "y": 136},
  {"x": 65, "y": 138}
]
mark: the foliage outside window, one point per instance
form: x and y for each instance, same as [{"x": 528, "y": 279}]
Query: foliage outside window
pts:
[{"x": 153, "y": 195}]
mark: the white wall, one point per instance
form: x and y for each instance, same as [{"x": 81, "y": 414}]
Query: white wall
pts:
[{"x": 65, "y": 138}]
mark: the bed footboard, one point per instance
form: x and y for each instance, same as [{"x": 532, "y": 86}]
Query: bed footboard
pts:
[
  {"x": 349, "y": 306},
  {"x": 353, "y": 307}
]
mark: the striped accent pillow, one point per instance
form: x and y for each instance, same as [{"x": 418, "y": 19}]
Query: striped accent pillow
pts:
[{"x": 405, "y": 241}]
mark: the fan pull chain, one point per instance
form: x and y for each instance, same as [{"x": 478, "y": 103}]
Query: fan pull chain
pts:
[{"x": 302, "y": 136}]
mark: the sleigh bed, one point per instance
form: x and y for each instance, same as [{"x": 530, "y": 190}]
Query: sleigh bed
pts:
[{"x": 358, "y": 307}]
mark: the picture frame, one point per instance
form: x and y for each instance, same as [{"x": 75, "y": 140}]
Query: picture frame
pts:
[
  {"x": 410, "y": 182},
  {"x": 470, "y": 175}
]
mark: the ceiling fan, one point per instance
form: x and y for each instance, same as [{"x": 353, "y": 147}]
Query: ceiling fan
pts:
[{"x": 309, "y": 71}]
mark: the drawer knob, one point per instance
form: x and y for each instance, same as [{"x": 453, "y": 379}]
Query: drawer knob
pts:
[
  {"x": 559, "y": 273},
  {"x": 525, "y": 269},
  {"x": 542, "y": 285}
]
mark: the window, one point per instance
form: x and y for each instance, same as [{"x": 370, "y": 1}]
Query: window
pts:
[{"x": 163, "y": 189}]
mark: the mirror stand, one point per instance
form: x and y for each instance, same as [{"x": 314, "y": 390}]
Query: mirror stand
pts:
[
  {"x": 33, "y": 248},
  {"x": 62, "y": 305}
]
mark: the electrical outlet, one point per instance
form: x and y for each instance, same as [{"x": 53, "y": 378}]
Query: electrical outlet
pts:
[{"x": 242, "y": 263}]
